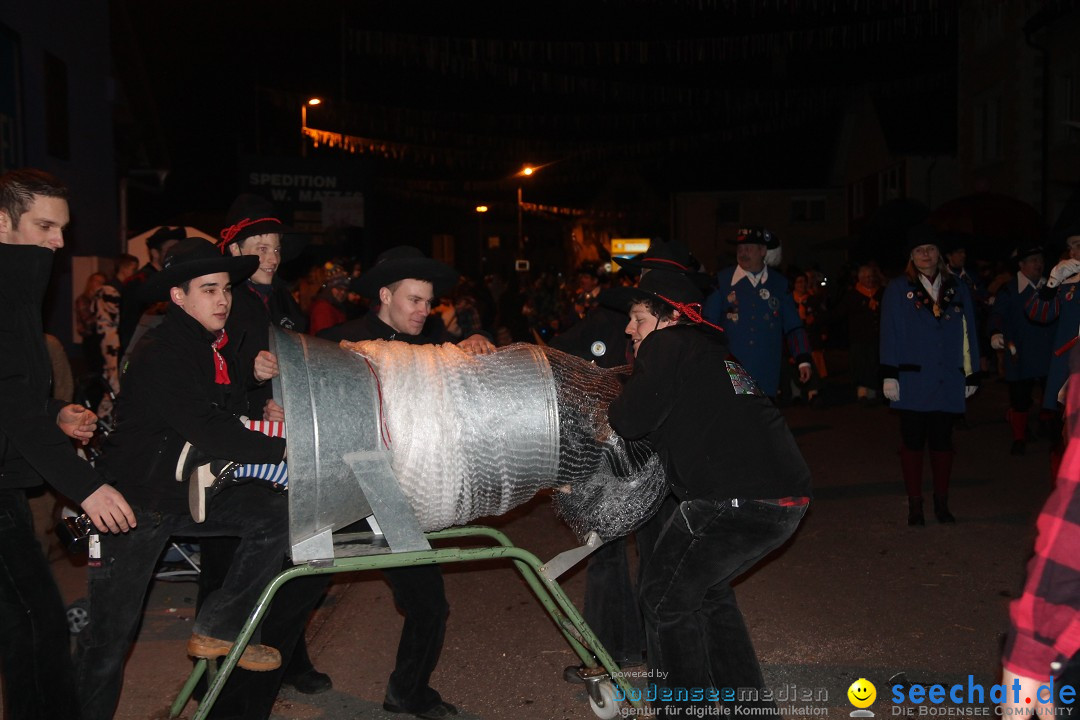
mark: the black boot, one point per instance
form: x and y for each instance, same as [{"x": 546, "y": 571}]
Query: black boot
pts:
[
  {"x": 941, "y": 509},
  {"x": 915, "y": 513}
]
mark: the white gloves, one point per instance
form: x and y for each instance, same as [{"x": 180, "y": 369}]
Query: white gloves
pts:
[
  {"x": 1063, "y": 271},
  {"x": 891, "y": 389},
  {"x": 969, "y": 390},
  {"x": 997, "y": 341}
]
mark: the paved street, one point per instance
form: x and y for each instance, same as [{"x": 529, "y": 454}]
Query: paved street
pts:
[{"x": 856, "y": 594}]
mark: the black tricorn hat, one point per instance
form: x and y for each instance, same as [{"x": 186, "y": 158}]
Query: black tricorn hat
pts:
[
  {"x": 402, "y": 263},
  {"x": 192, "y": 258},
  {"x": 670, "y": 286},
  {"x": 163, "y": 235},
  {"x": 755, "y": 235},
  {"x": 251, "y": 215}
]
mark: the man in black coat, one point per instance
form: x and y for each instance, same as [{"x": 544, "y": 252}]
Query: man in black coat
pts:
[
  {"x": 403, "y": 282},
  {"x": 183, "y": 384},
  {"x": 132, "y": 303},
  {"x": 741, "y": 483},
  {"x": 252, "y": 228},
  {"x": 38, "y": 679}
]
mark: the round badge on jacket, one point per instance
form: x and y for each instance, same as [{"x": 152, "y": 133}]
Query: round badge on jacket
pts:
[
  {"x": 764, "y": 293},
  {"x": 598, "y": 348}
]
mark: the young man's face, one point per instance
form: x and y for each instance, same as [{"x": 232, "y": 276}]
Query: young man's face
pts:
[
  {"x": 208, "y": 300},
  {"x": 42, "y": 224},
  {"x": 957, "y": 258},
  {"x": 267, "y": 248},
  {"x": 750, "y": 257},
  {"x": 642, "y": 323},
  {"x": 406, "y": 308}
]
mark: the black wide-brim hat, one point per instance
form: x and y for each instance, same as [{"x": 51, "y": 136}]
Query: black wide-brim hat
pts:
[
  {"x": 672, "y": 256},
  {"x": 923, "y": 234},
  {"x": 405, "y": 262},
  {"x": 251, "y": 215},
  {"x": 192, "y": 258},
  {"x": 669, "y": 286}
]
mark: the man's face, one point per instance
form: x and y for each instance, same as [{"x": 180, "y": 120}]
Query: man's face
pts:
[
  {"x": 1032, "y": 267},
  {"x": 1073, "y": 243},
  {"x": 642, "y": 323},
  {"x": 267, "y": 248},
  {"x": 42, "y": 224},
  {"x": 957, "y": 258},
  {"x": 925, "y": 258},
  {"x": 750, "y": 257},
  {"x": 208, "y": 300},
  {"x": 867, "y": 277},
  {"x": 156, "y": 256},
  {"x": 406, "y": 308}
]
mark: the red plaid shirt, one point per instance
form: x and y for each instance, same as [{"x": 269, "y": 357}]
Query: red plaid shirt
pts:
[{"x": 1045, "y": 629}]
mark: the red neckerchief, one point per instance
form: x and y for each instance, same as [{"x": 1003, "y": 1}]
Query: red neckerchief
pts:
[
  {"x": 221, "y": 370},
  {"x": 690, "y": 310},
  {"x": 869, "y": 293}
]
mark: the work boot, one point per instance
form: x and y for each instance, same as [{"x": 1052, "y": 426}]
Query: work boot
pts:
[
  {"x": 257, "y": 658},
  {"x": 915, "y": 512},
  {"x": 941, "y": 509}
]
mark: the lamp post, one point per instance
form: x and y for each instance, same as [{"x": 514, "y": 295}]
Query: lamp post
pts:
[
  {"x": 525, "y": 172},
  {"x": 480, "y": 210},
  {"x": 303, "y": 122}
]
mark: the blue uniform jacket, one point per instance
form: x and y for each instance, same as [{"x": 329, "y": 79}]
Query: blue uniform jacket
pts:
[
  {"x": 1032, "y": 340},
  {"x": 1062, "y": 304},
  {"x": 932, "y": 357},
  {"x": 757, "y": 321}
]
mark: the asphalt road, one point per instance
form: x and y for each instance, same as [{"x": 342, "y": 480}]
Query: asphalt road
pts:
[{"x": 855, "y": 594}]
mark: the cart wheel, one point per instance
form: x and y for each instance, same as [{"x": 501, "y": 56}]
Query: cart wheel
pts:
[
  {"x": 78, "y": 616},
  {"x": 610, "y": 707}
]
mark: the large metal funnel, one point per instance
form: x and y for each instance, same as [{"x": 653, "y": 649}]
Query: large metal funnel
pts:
[{"x": 339, "y": 470}]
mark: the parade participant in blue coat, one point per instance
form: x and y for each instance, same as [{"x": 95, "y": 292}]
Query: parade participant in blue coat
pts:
[
  {"x": 755, "y": 308},
  {"x": 1059, "y": 299},
  {"x": 1027, "y": 341},
  {"x": 930, "y": 360}
]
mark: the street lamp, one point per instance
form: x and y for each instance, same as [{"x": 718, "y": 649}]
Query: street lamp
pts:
[
  {"x": 303, "y": 122},
  {"x": 526, "y": 171},
  {"x": 480, "y": 211}
]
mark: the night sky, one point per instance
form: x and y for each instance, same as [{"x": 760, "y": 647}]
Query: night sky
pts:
[{"x": 665, "y": 94}]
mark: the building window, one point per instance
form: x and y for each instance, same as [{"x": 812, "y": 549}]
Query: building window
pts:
[
  {"x": 727, "y": 211},
  {"x": 889, "y": 184},
  {"x": 56, "y": 108},
  {"x": 808, "y": 209},
  {"x": 988, "y": 131}
]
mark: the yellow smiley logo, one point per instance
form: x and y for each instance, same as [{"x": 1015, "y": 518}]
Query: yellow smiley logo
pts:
[{"x": 862, "y": 693}]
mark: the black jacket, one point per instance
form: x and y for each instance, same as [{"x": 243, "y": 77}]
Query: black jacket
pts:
[
  {"x": 718, "y": 435},
  {"x": 169, "y": 396},
  {"x": 370, "y": 327},
  {"x": 599, "y": 337},
  {"x": 249, "y": 327},
  {"x": 32, "y": 447}
]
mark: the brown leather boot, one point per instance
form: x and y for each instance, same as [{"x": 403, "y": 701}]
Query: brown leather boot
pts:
[{"x": 257, "y": 658}]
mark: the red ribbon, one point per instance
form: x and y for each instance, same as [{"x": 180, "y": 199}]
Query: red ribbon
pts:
[
  {"x": 664, "y": 260},
  {"x": 221, "y": 370},
  {"x": 233, "y": 230},
  {"x": 690, "y": 310}
]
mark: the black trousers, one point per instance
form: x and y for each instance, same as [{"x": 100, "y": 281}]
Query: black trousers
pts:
[{"x": 35, "y": 656}]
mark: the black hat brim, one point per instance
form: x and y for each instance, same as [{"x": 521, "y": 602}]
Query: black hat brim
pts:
[
  {"x": 156, "y": 288},
  {"x": 442, "y": 277}
]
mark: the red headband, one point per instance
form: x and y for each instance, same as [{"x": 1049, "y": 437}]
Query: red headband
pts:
[
  {"x": 232, "y": 231},
  {"x": 690, "y": 310}
]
